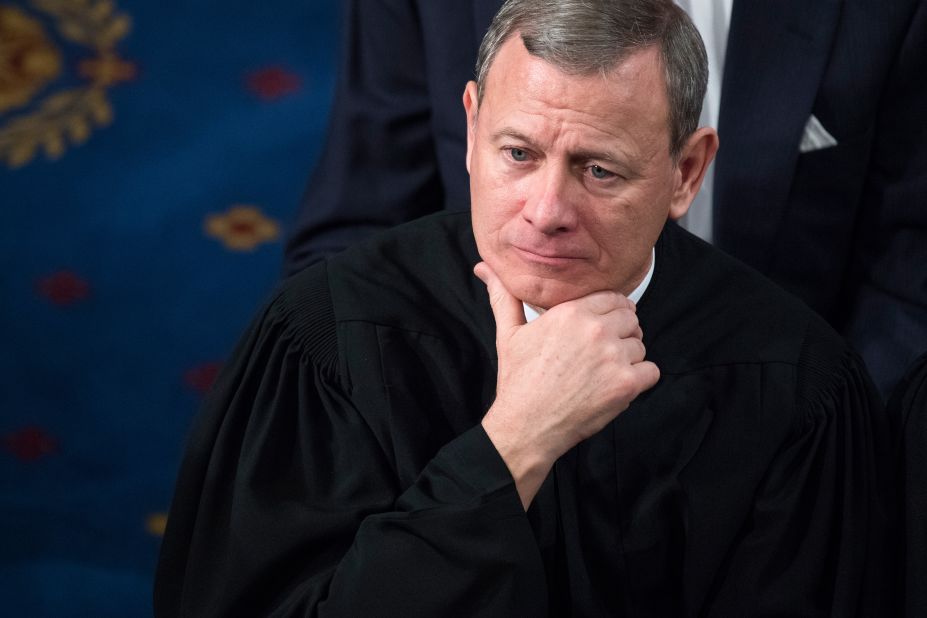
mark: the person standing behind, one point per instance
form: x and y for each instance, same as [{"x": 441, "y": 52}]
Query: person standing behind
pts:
[{"x": 820, "y": 182}]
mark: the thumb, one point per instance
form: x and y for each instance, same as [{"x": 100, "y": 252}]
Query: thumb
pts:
[{"x": 508, "y": 310}]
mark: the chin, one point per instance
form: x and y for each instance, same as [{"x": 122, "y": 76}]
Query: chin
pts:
[
  {"x": 543, "y": 293},
  {"x": 536, "y": 285}
]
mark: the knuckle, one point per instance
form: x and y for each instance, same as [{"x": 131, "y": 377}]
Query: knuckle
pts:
[
  {"x": 630, "y": 320},
  {"x": 596, "y": 330},
  {"x": 565, "y": 313},
  {"x": 628, "y": 350},
  {"x": 624, "y": 382},
  {"x": 641, "y": 352},
  {"x": 613, "y": 299},
  {"x": 628, "y": 383},
  {"x": 573, "y": 312},
  {"x": 611, "y": 351}
]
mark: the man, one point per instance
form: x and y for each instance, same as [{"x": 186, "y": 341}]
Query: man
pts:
[
  {"x": 671, "y": 436},
  {"x": 820, "y": 184}
]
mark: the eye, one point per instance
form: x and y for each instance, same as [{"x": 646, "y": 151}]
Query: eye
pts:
[
  {"x": 518, "y": 154},
  {"x": 600, "y": 173}
]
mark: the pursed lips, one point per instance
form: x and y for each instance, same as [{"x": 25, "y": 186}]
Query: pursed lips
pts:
[{"x": 546, "y": 257}]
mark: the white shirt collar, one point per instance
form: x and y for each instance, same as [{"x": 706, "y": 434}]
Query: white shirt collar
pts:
[{"x": 634, "y": 296}]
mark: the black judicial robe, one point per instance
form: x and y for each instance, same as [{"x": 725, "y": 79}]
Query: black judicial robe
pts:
[
  {"x": 338, "y": 467},
  {"x": 909, "y": 404}
]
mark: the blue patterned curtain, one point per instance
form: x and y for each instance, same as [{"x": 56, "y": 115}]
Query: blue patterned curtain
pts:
[{"x": 152, "y": 155}]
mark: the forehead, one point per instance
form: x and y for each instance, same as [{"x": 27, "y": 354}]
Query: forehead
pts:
[{"x": 627, "y": 102}]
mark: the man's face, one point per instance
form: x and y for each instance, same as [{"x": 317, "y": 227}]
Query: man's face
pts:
[{"x": 571, "y": 178}]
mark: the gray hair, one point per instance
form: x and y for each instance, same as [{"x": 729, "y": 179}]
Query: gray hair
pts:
[{"x": 581, "y": 37}]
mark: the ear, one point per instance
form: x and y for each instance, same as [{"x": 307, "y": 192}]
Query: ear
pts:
[
  {"x": 698, "y": 152},
  {"x": 471, "y": 105}
]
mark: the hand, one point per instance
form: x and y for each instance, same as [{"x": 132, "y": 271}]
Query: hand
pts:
[{"x": 561, "y": 378}]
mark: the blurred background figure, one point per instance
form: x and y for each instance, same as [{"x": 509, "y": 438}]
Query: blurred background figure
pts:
[
  {"x": 150, "y": 153},
  {"x": 820, "y": 182}
]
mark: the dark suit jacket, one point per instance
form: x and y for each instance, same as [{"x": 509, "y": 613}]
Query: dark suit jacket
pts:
[{"x": 844, "y": 228}]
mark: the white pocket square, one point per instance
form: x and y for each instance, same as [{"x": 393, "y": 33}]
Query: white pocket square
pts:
[{"x": 815, "y": 137}]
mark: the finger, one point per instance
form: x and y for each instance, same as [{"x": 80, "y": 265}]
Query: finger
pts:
[
  {"x": 507, "y": 310},
  {"x": 621, "y": 323},
  {"x": 632, "y": 350},
  {"x": 646, "y": 375},
  {"x": 603, "y": 302},
  {"x": 625, "y": 324}
]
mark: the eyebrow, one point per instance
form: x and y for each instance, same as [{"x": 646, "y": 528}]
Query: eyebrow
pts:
[
  {"x": 591, "y": 155},
  {"x": 512, "y": 133}
]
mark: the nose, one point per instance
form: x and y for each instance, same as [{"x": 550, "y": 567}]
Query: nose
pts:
[{"x": 549, "y": 206}]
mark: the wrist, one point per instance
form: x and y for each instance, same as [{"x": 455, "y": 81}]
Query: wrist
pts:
[{"x": 526, "y": 461}]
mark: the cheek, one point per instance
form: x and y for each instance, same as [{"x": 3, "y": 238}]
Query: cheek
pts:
[
  {"x": 621, "y": 231},
  {"x": 488, "y": 215},
  {"x": 495, "y": 199},
  {"x": 611, "y": 241}
]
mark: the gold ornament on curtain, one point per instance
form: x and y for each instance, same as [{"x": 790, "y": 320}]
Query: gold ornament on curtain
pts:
[{"x": 30, "y": 62}]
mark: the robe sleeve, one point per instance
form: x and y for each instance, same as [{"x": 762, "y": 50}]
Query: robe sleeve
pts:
[
  {"x": 286, "y": 504},
  {"x": 821, "y": 540},
  {"x": 909, "y": 403}
]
